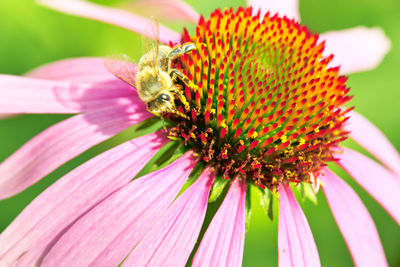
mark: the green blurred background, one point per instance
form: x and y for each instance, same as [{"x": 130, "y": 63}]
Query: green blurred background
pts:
[{"x": 31, "y": 36}]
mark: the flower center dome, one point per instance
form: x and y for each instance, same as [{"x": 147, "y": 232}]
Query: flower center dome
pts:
[{"x": 266, "y": 105}]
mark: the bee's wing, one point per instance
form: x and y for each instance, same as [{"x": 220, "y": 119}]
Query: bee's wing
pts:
[
  {"x": 152, "y": 44},
  {"x": 122, "y": 67}
]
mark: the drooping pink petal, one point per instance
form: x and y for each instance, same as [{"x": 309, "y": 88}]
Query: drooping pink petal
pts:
[
  {"x": 117, "y": 224},
  {"x": 48, "y": 216},
  {"x": 171, "y": 240},
  {"x": 373, "y": 140},
  {"x": 380, "y": 183},
  {"x": 355, "y": 223},
  {"x": 288, "y": 8},
  {"x": 295, "y": 240},
  {"x": 62, "y": 142},
  {"x": 6, "y": 116},
  {"x": 24, "y": 95},
  {"x": 78, "y": 70},
  {"x": 356, "y": 49},
  {"x": 28, "y": 95},
  {"x": 118, "y": 17},
  {"x": 222, "y": 244},
  {"x": 169, "y": 9}
]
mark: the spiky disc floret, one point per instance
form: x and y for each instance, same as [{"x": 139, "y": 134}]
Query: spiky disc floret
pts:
[{"x": 267, "y": 106}]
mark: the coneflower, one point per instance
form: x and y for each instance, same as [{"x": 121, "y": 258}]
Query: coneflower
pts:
[{"x": 263, "y": 107}]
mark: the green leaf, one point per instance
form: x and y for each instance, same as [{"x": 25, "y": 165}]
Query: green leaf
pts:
[
  {"x": 170, "y": 155},
  {"x": 217, "y": 188},
  {"x": 194, "y": 174},
  {"x": 164, "y": 156},
  {"x": 307, "y": 192},
  {"x": 267, "y": 202},
  {"x": 248, "y": 208}
]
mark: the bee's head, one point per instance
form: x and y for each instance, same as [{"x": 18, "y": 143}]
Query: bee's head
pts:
[{"x": 164, "y": 102}]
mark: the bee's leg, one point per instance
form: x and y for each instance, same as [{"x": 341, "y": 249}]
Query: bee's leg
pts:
[
  {"x": 180, "y": 50},
  {"x": 187, "y": 47},
  {"x": 177, "y": 112},
  {"x": 183, "y": 115},
  {"x": 177, "y": 51},
  {"x": 182, "y": 98},
  {"x": 174, "y": 73}
]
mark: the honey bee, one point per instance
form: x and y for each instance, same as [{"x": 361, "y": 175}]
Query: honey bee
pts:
[{"x": 155, "y": 78}]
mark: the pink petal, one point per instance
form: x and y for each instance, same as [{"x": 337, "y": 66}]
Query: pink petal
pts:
[
  {"x": 295, "y": 240},
  {"x": 171, "y": 240},
  {"x": 78, "y": 70},
  {"x": 117, "y": 224},
  {"x": 355, "y": 223},
  {"x": 356, "y": 49},
  {"x": 372, "y": 139},
  {"x": 375, "y": 179},
  {"x": 62, "y": 142},
  {"x": 222, "y": 244},
  {"x": 40, "y": 225},
  {"x": 176, "y": 10},
  {"x": 110, "y": 15},
  {"x": 6, "y": 116},
  {"x": 288, "y": 8},
  {"x": 27, "y": 95},
  {"x": 24, "y": 95}
]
